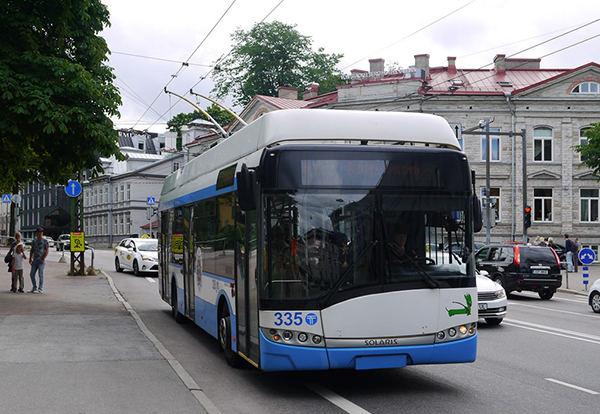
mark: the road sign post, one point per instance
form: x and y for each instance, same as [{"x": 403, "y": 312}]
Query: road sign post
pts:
[
  {"x": 586, "y": 257},
  {"x": 74, "y": 190}
]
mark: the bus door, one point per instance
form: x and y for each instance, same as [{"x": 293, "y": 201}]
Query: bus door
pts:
[
  {"x": 188, "y": 263},
  {"x": 246, "y": 285},
  {"x": 164, "y": 253}
]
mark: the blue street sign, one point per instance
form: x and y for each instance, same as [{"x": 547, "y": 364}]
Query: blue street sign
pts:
[
  {"x": 73, "y": 189},
  {"x": 6, "y": 198},
  {"x": 151, "y": 201},
  {"x": 587, "y": 256}
]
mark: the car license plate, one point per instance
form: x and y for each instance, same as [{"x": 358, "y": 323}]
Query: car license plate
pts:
[
  {"x": 540, "y": 272},
  {"x": 483, "y": 306}
]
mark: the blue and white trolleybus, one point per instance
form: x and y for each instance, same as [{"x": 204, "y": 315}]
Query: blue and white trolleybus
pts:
[{"x": 319, "y": 239}]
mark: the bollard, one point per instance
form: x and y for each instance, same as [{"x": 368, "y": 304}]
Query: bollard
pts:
[{"x": 585, "y": 277}]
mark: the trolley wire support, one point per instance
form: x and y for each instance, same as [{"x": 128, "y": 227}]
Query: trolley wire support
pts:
[{"x": 206, "y": 114}]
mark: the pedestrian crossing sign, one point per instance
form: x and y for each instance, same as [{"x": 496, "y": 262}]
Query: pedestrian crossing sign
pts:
[{"x": 6, "y": 198}]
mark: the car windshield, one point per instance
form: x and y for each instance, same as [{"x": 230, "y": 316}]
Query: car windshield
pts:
[{"x": 148, "y": 246}]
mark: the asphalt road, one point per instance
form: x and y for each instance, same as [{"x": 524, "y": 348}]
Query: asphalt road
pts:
[{"x": 542, "y": 359}]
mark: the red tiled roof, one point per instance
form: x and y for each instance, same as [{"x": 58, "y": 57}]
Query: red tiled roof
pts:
[{"x": 282, "y": 103}]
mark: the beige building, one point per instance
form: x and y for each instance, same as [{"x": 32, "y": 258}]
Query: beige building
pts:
[{"x": 553, "y": 106}]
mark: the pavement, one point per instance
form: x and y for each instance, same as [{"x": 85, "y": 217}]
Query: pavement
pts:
[{"x": 80, "y": 348}]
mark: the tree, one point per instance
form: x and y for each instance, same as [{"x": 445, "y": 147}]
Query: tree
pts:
[
  {"x": 56, "y": 91},
  {"x": 590, "y": 152},
  {"x": 220, "y": 115},
  {"x": 272, "y": 55}
]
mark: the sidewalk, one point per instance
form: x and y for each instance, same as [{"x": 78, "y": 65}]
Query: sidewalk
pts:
[
  {"x": 76, "y": 349},
  {"x": 575, "y": 280}
]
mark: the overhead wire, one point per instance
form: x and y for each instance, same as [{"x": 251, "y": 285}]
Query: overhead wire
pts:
[
  {"x": 203, "y": 77},
  {"x": 411, "y": 34},
  {"x": 185, "y": 64}
]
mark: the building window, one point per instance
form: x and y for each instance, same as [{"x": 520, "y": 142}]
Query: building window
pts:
[
  {"x": 494, "y": 146},
  {"x": 542, "y": 204},
  {"x": 116, "y": 200},
  {"x": 586, "y": 87},
  {"x": 588, "y": 201},
  {"x": 494, "y": 201},
  {"x": 542, "y": 144},
  {"x": 105, "y": 195},
  {"x": 175, "y": 166},
  {"x": 128, "y": 191},
  {"x": 583, "y": 141}
]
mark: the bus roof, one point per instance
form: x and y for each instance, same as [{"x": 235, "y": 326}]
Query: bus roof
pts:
[{"x": 317, "y": 126}]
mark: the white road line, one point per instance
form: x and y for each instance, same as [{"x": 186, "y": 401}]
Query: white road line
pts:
[
  {"x": 553, "y": 331},
  {"x": 149, "y": 279},
  {"x": 588, "y": 315},
  {"x": 337, "y": 400},
  {"x": 566, "y": 384}
]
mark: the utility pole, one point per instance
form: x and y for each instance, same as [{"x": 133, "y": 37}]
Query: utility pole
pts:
[{"x": 473, "y": 131}]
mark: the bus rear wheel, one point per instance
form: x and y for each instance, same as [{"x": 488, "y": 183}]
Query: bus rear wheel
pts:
[{"x": 232, "y": 358}]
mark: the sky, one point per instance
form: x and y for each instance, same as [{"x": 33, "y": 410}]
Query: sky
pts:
[{"x": 150, "y": 40}]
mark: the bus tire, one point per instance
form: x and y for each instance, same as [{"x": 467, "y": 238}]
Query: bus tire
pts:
[
  {"x": 179, "y": 318},
  {"x": 232, "y": 358}
]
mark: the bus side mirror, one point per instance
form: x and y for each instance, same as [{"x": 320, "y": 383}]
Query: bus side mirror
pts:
[
  {"x": 247, "y": 189},
  {"x": 477, "y": 215}
]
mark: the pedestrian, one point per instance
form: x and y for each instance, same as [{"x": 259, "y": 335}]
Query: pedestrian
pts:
[
  {"x": 536, "y": 242},
  {"x": 37, "y": 259},
  {"x": 18, "y": 261},
  {"x": 575, "y": 255},
  {"x": 8, "y": 258},
  {"x": 569, "y": 254}
]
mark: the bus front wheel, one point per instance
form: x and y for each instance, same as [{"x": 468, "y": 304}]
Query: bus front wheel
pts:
[
  {"x": 179, "y": 318},
  {"x": 232, "y": 358}
]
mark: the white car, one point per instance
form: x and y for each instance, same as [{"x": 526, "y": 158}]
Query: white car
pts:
[
  {"x": 492, "y": 300},
  {"x": 594, "y": 296},
  {"x": 139, "y": 255},
  {"x": 50, "y": 241}
]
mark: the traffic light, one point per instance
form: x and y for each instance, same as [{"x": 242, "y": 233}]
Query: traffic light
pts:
[{"x": 527, "y": 217}]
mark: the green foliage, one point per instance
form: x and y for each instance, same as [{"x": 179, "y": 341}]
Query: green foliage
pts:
[
  {"x": 272, "y": 55},
  {"x": 590, "y": 152},
  {"x": 56, "y": 92}
]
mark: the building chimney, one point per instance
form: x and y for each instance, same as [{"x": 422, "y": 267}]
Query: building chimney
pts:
[
  {"x": 422, "y": 62},
  {"x": 500, "y": 63},
  {"x": 287, "y": 92},
  {"x": 311, "y": 91},
  {"x": 358, "y": 75},
  {"x": 452, "y": 65},
  {"x": 377, "y": 65}
]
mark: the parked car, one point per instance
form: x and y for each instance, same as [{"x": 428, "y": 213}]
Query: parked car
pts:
[
  {"x": 492, "y": 301},
  {"x": 520, "y": 267},
  {"x": 139, "y": 255},
  {"x": 50, "y": 241},
  {"x": 60, "y": 242},
  {"x": 594, "y": 296}
]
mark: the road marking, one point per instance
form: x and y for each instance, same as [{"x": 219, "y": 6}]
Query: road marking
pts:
[
  {"x": 149, "y": 279},
  {"x": 566, "y": 384},
  {"x": 337, "y": 400},
  {"x": 589, "y": 315},
  {"x": 553, "y": 331},
  {"x": 186, "y": 378}
]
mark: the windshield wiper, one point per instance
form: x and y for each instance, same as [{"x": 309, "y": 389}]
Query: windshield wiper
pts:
[
  {"x": 417, "y": 268},
  {"x": 339, "y": 282}
]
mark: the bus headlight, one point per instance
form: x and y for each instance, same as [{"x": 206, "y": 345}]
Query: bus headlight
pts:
[
  {"x": 456, "y": 333},
  {"x": 287, "y": 335},
  {"x": 316, "y": 339},
  {"x": 302, "y": 337}
]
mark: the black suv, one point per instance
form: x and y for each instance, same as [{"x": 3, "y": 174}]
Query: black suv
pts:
[{"x": 521, "y": 267}]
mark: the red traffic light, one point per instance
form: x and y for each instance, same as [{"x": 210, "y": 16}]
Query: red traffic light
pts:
[{"x": 528, "y": 209}]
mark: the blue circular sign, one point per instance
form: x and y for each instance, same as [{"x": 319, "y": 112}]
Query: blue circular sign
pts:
[
  {"x": 73, "y": 189},
  {"x": 587, "y": 256},
  {"x": 311, "y": 319}
]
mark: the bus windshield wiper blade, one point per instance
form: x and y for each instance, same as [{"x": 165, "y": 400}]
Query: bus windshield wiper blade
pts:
[
  {"x": 418, "y": 269},
  {"x": 339, "y": 282}
]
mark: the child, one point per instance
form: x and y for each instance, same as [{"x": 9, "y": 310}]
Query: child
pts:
[{"x": 17, "y": 267}]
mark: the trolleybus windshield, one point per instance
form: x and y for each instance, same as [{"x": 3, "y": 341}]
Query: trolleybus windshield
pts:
[{"x": 366, "y": 233}]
